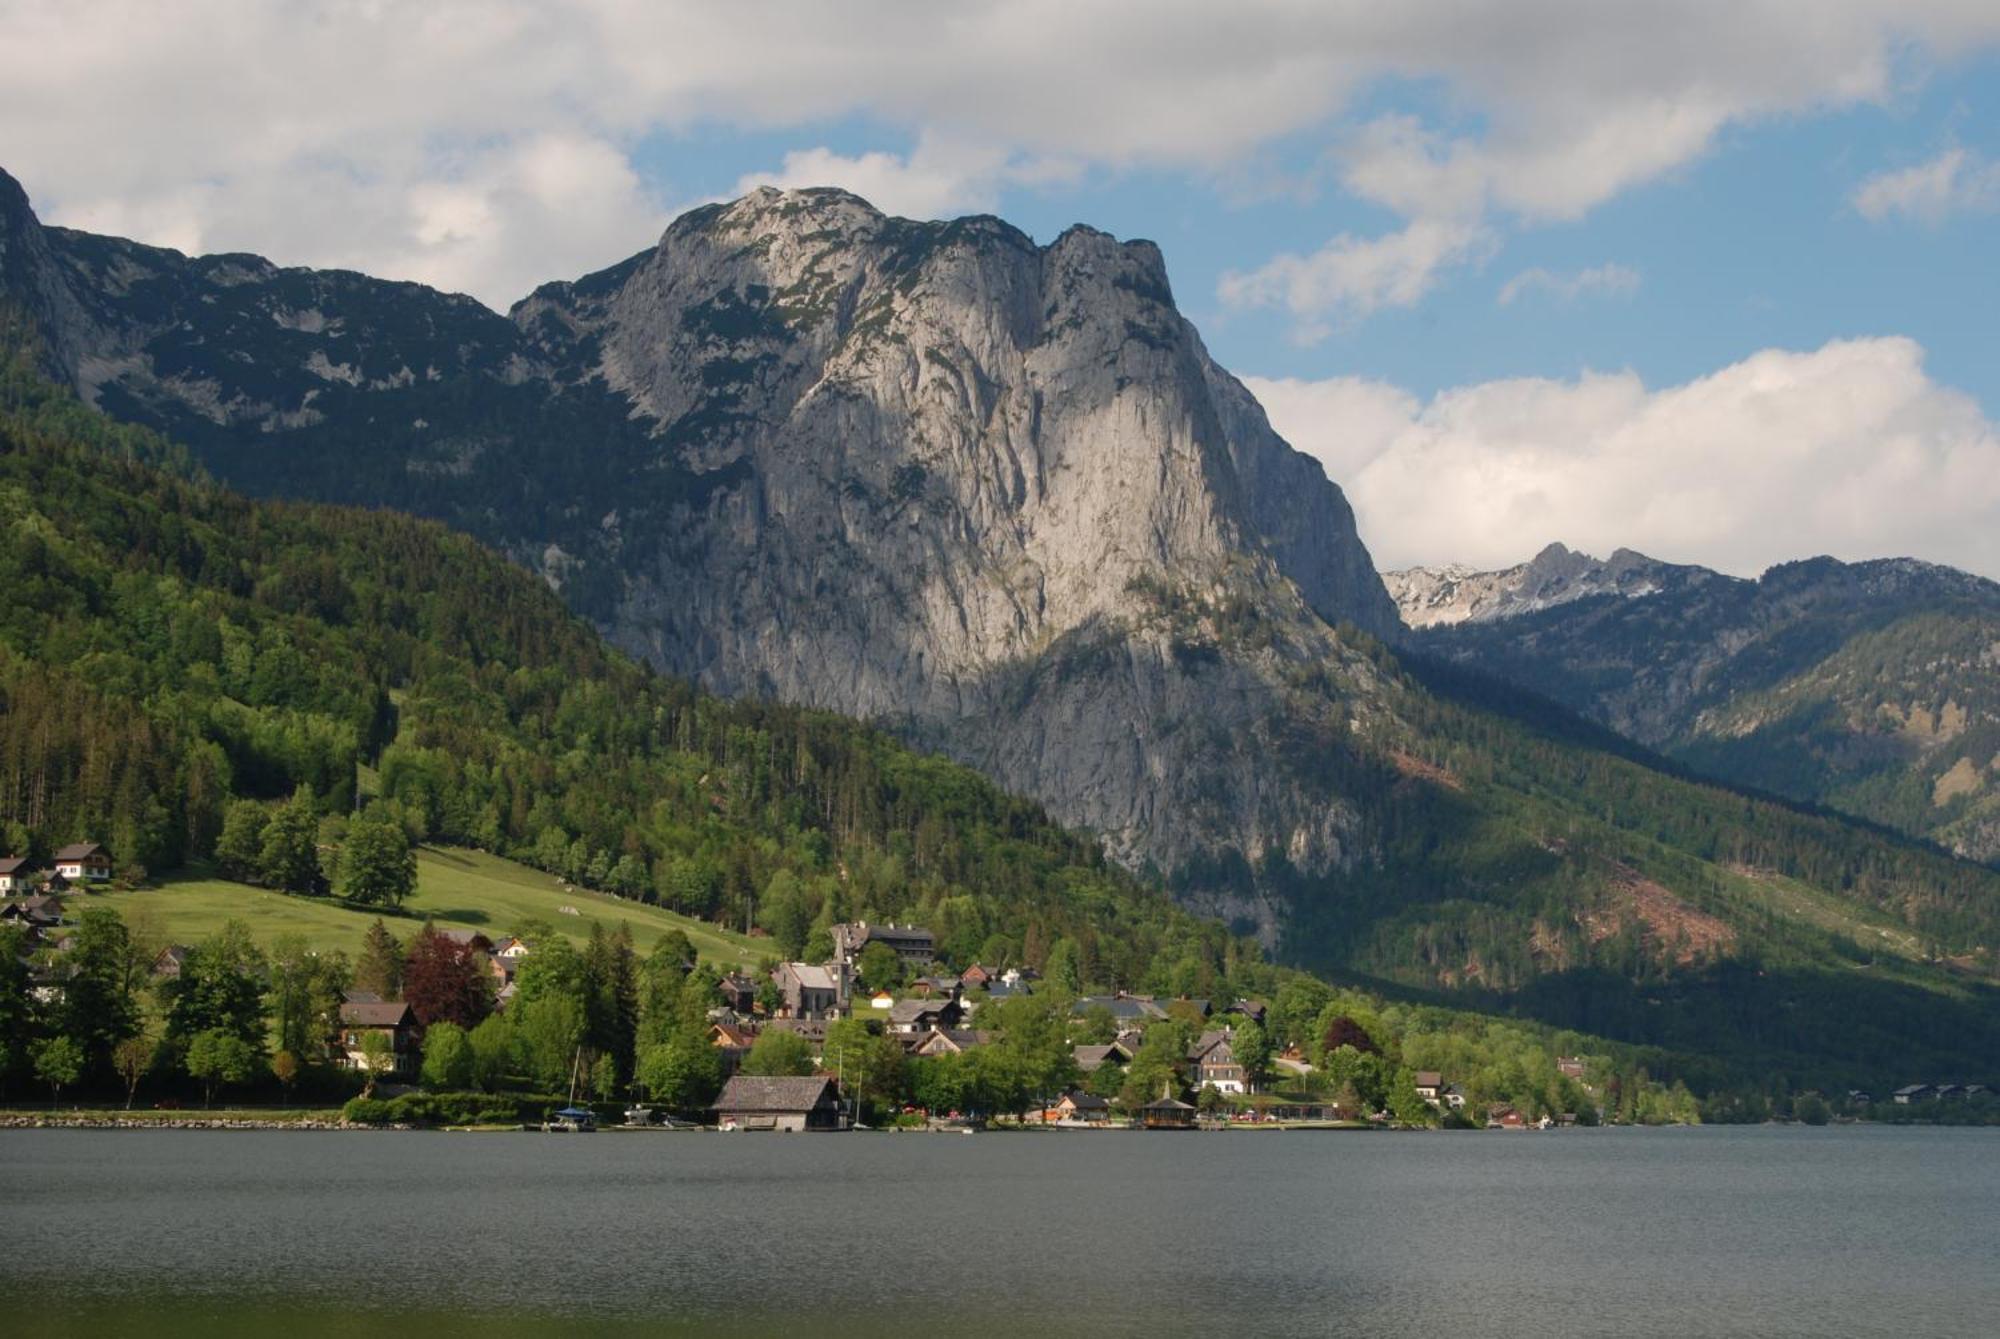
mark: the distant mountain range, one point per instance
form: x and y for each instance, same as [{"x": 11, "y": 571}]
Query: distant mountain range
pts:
[
  {"x": 996, "y": 496},
  {"x": 1871, "y": 688}
]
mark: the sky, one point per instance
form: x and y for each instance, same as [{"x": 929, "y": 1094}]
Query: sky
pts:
[{"x": 1710, "y": 280}]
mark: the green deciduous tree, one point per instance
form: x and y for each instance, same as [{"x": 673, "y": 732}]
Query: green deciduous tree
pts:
[
  {"x": 133, "y": 1059},
  {"x": 58, "y": 1063},
  {"x": 220, "y": 987},
  {"x": 217, "y": 1057},
  {"x": 289, "y": 855},
  {"x": 98, "y": 1008},
  {"x": 779, "y": 1052},
  {"x": 448, "y": 1058},
  {"x": 684, "y": 1073},
  {"x": 377, "y": 866},
  {"x": 240, "y": 847},
  {"x": 492, "y": 1044}
]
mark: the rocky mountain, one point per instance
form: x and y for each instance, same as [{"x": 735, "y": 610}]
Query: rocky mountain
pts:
[
  {"x": 933, "y": 473},
  {"x": 1872, "y": 688},
  {"x": 995, "y": 495},
  {"x": 1430, "y": 597}
]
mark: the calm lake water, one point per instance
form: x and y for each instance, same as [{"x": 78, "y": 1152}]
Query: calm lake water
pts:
[{"x": 1669, "y": 1232}]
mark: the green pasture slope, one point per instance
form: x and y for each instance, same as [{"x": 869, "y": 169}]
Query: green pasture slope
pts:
[{"x": 456, "y": 888}]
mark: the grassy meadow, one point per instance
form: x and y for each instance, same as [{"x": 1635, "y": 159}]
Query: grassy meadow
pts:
[{"x": 457, "y": 888}]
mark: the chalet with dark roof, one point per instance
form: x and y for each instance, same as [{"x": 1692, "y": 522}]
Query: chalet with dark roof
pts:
[
  {"x": 757, "y": 1102},
  {"x": 83, "y": 862},
  {"x": 1215, "y": 1065},
  {"x": 942, "y": 1041},
  {"x": 920, "y": 1016},
  {"x": 391, "y": 1019},
  {"x": 14, "y": 872}
]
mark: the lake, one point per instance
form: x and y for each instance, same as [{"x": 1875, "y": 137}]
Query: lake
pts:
[{"x": 1769, "y": 1231}]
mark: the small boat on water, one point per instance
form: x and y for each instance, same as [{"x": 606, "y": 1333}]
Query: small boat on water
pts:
[{"x": 571, "y": 1120}]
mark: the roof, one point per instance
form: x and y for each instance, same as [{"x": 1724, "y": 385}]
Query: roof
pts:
[
  {"x": 1166, "y": 1104},
  {"x": 1913, "y": 1088},
  {"x": 470, "y": 938},
  {"x": 811, "y": 976},
  {"x": 1207, "y": 1042},
  {"x": 731, "y": 1035},
  {"x": 13, "y": 864},
  {"x": 1428, "y": 1078},
  {"x": 910, "y": 1011},
  {"x": 79, "y": 851},
  {"x": 1087, "y": 1101},
  {"x": 376, "y": 1014},
  {"x": 754, "y": 1092},
  {"x": 812, "y": 1029}
]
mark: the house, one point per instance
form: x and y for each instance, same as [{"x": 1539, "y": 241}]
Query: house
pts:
[
  {"x": 812, "y": 1029},
  {"x": 1915, "y": 1092},
  {"x": 1124, "y": 1008},
  {"x": 913, "y": 944},
  {"x": 1949, "y": 1092},
  {"x": 752, "y": 1102},
  {"x": 809, "y": 990},
  {"x": 975, "y": 977},
  {"x": 938, "y": 1041},
  {"x": 881, "y": 999},
  {"x": 739, "y": 992},
  {"x": 167, "y": 963},
  {"x": 1078, "y": 1108},
  {"x": 392, "y": 1020},
  {"x": 84, "y": 862},
  {"x": 14, "y": 872},
  {"x": 1454, "y": 1097},
  {"x": 38, "y": 912},
  {"x": 1020, "y": 976},
  {"x": 1857, "y": 1097},
  {"x": 733, "y": 1043},
  {"x": 1293, "y": 1060},
  {"x": 1430, "y": 1086},
  {"x": 916, "y": 1016},
  {"x": 1214, "y": 1062},
  {"x": 1254, "y": 1010},
  {"x": 1090, "y": 1059},
  {"x": 471, "y": 939},
  {"x": 1500, "y": 1116},
  {"x": 512, "y": 949},
  {"x": 934, "y": 987},
  {"x": 1570, "y": 1067},
  {"x": 1167, "y": 1113},
  {"x": 505, "y": 997}
]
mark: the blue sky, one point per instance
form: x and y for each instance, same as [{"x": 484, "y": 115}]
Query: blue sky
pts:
[{"x": 1711, "y": 278}]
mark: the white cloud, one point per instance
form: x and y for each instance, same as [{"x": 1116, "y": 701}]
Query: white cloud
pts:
[
  {"x": 937, "y": 179},
  {"x": 1849, "y": 450},
  {"x": 1610, "y": 280},
  {"x": 400, "y": 137},
  {"x": 1955, "y": 182},
  {"x": 1352, "y": 277}
]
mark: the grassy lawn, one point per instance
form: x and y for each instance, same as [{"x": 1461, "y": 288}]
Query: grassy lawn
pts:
[{"x": 457, "y": 888}]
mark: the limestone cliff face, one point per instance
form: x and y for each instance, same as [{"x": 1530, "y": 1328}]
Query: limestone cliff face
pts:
[
  {"x": 992, "y": 493},
  {"x": 981, "y": 479}
]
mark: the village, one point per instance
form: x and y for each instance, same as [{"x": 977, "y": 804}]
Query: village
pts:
[{"x": 881, "y": 1034}]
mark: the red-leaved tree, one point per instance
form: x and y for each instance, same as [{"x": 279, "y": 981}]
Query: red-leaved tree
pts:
[{"x": 444, "y": 981}]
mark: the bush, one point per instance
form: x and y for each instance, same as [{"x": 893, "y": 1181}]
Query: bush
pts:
[
  {"x": 454, "y": 1109},
  {"x": 368, "y": 1111}
]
